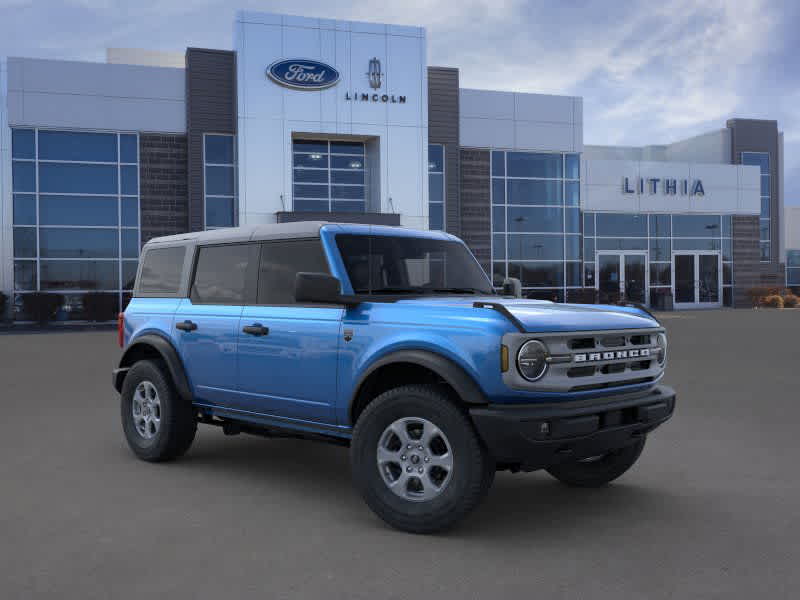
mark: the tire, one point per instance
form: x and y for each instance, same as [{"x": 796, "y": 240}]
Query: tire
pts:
[
  {"x": 597, "y": 472},
  {"x": 166, "y": 428},
  {"x": 442, "y": 495}
]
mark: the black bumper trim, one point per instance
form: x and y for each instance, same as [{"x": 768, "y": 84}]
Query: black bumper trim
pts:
[{"x": 535, "y": 436}]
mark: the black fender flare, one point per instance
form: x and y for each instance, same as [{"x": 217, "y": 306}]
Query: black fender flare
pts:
[
  {"x": 453, "y": 374},
  {"x": 167, "y": 353}
]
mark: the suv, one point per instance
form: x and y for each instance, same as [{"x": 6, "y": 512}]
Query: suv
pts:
[{"x": 390, "y": 341}]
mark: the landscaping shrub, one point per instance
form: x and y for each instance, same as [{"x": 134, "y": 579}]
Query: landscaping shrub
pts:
[
  {"x": 790, "y": 301},
  {"x": 41, "y": 306},
  {"x": 773, "y": 301},
  {"x": 99, "y": 306},
  {"x": 3, "y": 306}
]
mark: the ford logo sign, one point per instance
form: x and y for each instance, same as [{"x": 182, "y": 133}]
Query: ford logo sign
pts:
[{"x": 303, "y": 74}]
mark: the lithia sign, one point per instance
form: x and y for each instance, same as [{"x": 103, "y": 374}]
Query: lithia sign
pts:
[
  {"x": 667, "y": 186},
  {"x": 306, "y": 74}
]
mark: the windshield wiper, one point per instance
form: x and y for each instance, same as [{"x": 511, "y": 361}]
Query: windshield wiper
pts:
[
  {"x": 392, "y": 290},
  {"x": 460, "y": 290}
]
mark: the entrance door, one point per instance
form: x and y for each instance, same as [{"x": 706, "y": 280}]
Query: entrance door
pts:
[
  {"x": 697, "y": 279},
  {"x": 622, "y": 276}
]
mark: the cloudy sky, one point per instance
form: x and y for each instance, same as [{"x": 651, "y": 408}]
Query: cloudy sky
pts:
[{"x": 649, "y": 71}]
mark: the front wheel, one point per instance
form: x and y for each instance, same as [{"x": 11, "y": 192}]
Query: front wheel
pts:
[
  {"x": 418, "y": 461},
  {"x": 598, "y": 470}
]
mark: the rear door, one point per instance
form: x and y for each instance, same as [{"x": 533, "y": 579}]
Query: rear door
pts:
[
  {"x": 207, "y": 322},
  {"x": 288, "y": 351}
]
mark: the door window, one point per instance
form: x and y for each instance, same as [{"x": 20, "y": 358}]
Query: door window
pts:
[
  {"x": 281, "y": 262},
  {"x": 221, "y": 274}
]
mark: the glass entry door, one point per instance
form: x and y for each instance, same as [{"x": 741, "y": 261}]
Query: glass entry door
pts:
[
  {"x": 622, "y": 276},
  {"x": 697, "y": 279}
]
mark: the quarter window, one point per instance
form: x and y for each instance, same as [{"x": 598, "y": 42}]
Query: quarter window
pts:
[
  {"x": 221, "y": 274},
  {"x": 281, "y": 262},
  {"x": 161, "y": 271}
]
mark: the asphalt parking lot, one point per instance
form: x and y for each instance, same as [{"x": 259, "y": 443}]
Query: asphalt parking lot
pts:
[{"x": 712, "y": 509}]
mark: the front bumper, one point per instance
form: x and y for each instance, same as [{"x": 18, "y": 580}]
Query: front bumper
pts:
[{"x": 535, "y": 436}]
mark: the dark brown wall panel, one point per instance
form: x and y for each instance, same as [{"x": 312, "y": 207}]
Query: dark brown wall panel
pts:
[
  {"x": 476, "y": 205},
  {"x": 210, "y": 108},
  {"x": 443, "y": 129}
]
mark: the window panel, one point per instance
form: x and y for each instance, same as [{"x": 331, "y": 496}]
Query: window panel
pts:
[
  {"x": 763, "y": 229},
  {"x": 311, "y": 205},
  {"x": 660, "y": 226},
  {"x": 435, "y": 158},
  {"x": 572, "y": 191},
  {"x": 793, "y": 258},
  {"x": 347, "y": 192},
  {"x": 695, "y": 244},
  {"x": 498, "y": 191},
  {"x": 572, "y": 220},
  {"x": 436, "y": 187},
  {"x": 696, "y": 225},
  {"x": 727, "y": 273},
  {"x": 357, "y": 177},
  {"x": 498, "y": 164},
  {"x": 78, "y": 243},
  {"x": 573, "y": 274},
  {"x": 499, "y": 246},
  {"x": 573, "y": 166},
  {"x": 129, "y": 183},
  {"x": 436, "y": 216},
  {"x": 498, "y": 274},
  {"x": 25, "y": 275},
  {"x": 311, "y": 175},
  {"x": 130, "y": 243},
  {"x": 765, "y": 185},
  {"x": 793, "y": 277},
  {"x": 219, "y": 181},
  {"x": 727, "y": 249},
  {"x": 537, "y": 220},
  {"x": 79, "y": 275},
  {"x": 660, "y": 274},
  {"x": 621, "y": 243},
  {"x": 759, "y": 159},
  {"x": 24, "y": 242},
  {"x": 347, "y": 206},
  {"x": 24, "y": 209},
  {"x": 219, "y": 212},
  {"x": 219, "y": 149},
  {"x": 347, "y": 162},
  {"x": 765, "y": 208},
  {"x": 314, "y": 161},
  {"x": 621, "y": 225},
  {"x": 130, "y": 212},
  {"x": 588, "y": 224},
  {"x": 310, "y": 146},
  {"x": 727, "y": 226},
  {"x": 533, "y": 274},
  {"x": 766, "y": 251},
  {"x": 128, "y": 148},
  {"x": 530, "y": 164},
  {"x": 310, "y": 191},
  {"x": 588, "y": 274},
  {"x": 77, "y": 179},
  {"x": 161, "y": 270},
  {"x": 220, "y": 274},
  {"x": 77, "y": 210},
  {"x": 77, "y": 146},
  {"x": 535, "y": 247},
  {"x": 588, "y": 249},
  {"x": 129, "y": 273},
  {"x": 347, "y": 148},
  {"x": 521, "y": 191},
  {"x": 23, "y": 143},
  {"x": 660, "y": 249},
  {"x": 572, "y": 245},
  {"x": 23, "y": 176},
  {"x": 727, "y": 297}
]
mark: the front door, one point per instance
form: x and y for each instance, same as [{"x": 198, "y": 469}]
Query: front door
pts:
[
  {"x": 697, "y": 279},
  {"x": 288, "y": 352},
  {"x": 622, "y": 276}
]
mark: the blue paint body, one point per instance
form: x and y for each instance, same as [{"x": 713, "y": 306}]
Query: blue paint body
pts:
[{"x": 304, "y": 375}]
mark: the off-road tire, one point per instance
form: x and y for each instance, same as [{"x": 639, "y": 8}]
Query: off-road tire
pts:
[
  {"x": 472, "y": 473},
  {"x": 177, "y": 420},
  {"x": 599, "y": 472}
]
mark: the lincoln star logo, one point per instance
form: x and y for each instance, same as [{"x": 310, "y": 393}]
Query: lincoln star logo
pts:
[
  {"x": 615, "y": 355},
  {"x": 374, "y": 74},
  {"x": 303, "y": 74}
]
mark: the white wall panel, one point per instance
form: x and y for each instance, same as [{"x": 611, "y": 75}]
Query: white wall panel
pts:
[
  {"x": 539, "y": 135},
  {"x": 486, "y": 133},
  {"x": 486, "y": 104}
]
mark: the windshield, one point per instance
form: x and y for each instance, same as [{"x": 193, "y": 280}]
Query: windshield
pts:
[{"x": 409, "y": 265}]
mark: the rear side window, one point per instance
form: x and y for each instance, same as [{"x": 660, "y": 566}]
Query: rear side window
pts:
[
  {"x": 161, "y": 270},
  {"x": 220, "y": 276},
  {"x": 280, "y": 264}
]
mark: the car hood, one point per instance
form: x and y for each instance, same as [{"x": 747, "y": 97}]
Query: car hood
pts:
[{"x": 543, "y": 316}]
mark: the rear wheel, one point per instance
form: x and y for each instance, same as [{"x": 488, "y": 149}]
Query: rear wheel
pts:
[
  {"x": 417, "y": 460},
  {"x": 159, "y": 425},
  {"x": 598, "y": 470}
]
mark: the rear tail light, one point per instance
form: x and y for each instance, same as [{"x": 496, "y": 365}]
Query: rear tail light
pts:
[{"x": 121, "y": 329}]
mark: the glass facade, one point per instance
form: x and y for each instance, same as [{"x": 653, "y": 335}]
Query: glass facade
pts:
[
  {"x": 658, "y": 235},
  {"x": 219, "y": 170},
  {"x": 793, "y": 268},
  {"x": 75, "y": 215},
  {"x": 761, "y": 160},
  {"x": 536, "y": 235},
  {"x": 436, "y": 186},
  {"x": 328, "y": 176}
]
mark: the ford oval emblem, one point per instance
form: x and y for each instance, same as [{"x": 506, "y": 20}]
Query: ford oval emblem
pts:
[{"x": 303, "y": 74}]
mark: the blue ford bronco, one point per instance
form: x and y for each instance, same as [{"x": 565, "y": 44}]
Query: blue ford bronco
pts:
[{"x": 394, "y": 343}]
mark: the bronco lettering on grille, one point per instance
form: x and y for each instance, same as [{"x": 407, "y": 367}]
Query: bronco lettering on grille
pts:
[{"x": 616, "y": 355}]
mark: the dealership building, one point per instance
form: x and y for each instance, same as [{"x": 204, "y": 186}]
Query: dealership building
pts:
[{"x": 312, "y": 119}]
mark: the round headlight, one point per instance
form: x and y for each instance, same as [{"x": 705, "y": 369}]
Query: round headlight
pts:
[
  {"x": 661, "y": 342},
  {"x": 532, "y": 360}
]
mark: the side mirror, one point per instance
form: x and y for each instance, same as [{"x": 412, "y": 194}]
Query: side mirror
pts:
[
  {"x": 512, "y": 287},
  {"x": 317, "y": 287}
]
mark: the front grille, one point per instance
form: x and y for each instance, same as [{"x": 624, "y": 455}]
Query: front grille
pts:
[{"x": 591, "y": 361}]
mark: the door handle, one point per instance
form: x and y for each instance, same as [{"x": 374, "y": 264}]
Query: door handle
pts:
[
  {"x": 256, "y": 329},
  {"x": 186, "y": 326}
]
